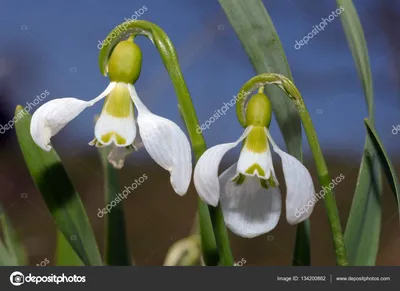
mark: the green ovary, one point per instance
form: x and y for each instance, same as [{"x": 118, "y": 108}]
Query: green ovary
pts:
[
  {"x": 259, "y": 110},
  {"x": 125, "y": 62}
]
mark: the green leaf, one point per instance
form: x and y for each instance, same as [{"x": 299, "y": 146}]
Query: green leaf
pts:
[
  {"x": 364, "y": 223},
  {"x": 6, "y": 258},
  {"x": 117, "y": 251},
  {"x": 384, "y": 160},
  {"x": 259, "y": 38},
  {"x": 302, "y": 251},
  {"x": 12, "y": 252},
  {"x": 358, "y": 46},
  {"x": 58, "y": 193},
  {"x": 65, "y": 254}
]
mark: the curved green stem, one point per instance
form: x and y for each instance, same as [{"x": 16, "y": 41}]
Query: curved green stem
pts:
[
  {"x": 291, "y": 91},
  {"x": 169, "y": 57}
]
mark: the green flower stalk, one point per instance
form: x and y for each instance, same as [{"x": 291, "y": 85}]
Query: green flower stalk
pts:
[{"x": 292, "y": 92}]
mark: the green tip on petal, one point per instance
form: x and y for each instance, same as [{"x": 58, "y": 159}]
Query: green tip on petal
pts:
[
  {"x": 125, "y": 62},
  {"x": 254, "y": 168},
  {"x": 259, "y": 110},
  {"x": 119, "y": 140},
  {"x": 239, "y": 179}
]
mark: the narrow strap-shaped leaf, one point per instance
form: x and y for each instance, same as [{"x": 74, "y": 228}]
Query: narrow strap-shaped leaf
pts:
[
  {"x": 364, "y": 223},
  {"x": 116, "y": 247},
  {"x": 65, "y": 254},
  {"x": 384, "y": 161},
  {"x": 12, "y": 252},
  {"x": 6, "y": 258},
  {"x": 358, "y": 46},
  {"x": 58, "y": 193},
  {"x": 261, "y": 42}
]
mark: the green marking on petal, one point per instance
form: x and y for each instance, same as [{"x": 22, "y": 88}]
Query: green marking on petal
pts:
[
  {"x": 239, "y": 179},
  {"x": 271, "y": 181},
  {"x": 264, "y": 183},
  {"x": 118, "y": 103},
  {"x": 105, "y": 138},
  {"x": 255, "y": 167},
  {"x": 257, "y": 140},
  {"x": 268, "y": 183}
]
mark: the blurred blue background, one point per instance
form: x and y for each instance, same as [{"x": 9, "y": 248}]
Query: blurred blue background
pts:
[{"x": 52, "y": 45}]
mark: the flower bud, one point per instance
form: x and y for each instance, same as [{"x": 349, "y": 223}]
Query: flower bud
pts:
[
  {"x": 259, "y": 110},
  {"x": 125, "y": 62}
]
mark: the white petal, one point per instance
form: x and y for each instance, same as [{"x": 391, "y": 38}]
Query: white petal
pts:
[
  {"x": 248, "y": 158},
  {"x": 117, "y": 156},
  {"x": 206, "y": 170},
  {"x": 107, "y": 91},
  {"x": 53, "y": 116},
  {"x": 123, "y": 127},
  {"x": 166, "y": 144},
  {"x": 249, "y": 209},
  {"x": 300, "y": 199}
]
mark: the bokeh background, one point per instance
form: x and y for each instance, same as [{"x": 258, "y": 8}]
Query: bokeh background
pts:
[{"x": 53, "y": 46}]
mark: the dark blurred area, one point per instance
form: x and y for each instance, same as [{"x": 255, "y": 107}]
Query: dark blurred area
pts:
[{"x": 157, "y": 217}]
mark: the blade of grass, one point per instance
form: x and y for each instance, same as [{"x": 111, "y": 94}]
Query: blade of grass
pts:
[
  {"x": 58, "y": 193},
  {"x": 12, "y": 252},
  {"x": 116, "y": 247},
  {"x": 6, "y": 259},
  {"x": 65, "y": 254},
  {"x": 384, "y": 161},
  {"x": 364, "y": 223},
  {"x": 259, "y": 38}
]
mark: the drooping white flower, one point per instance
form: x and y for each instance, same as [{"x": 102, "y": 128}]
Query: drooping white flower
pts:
[
  {"x": 249, "y": 190},
  {"x": 163, "y": 139}
]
